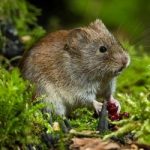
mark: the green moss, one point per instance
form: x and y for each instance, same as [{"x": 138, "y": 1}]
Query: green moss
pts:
[
  {"x": 21, "y": 121},
  {"x": 83, "y": 120},
  {"x": 23, "y": 16}
]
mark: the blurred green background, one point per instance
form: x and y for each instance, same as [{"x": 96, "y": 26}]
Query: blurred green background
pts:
[{"x": 129, "y": 19}]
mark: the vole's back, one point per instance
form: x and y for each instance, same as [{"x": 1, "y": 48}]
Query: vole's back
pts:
[{"x": 41, "y": 61}]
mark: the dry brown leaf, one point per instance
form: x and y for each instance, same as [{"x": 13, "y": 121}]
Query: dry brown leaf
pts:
[{"x": 93, "y": 144}]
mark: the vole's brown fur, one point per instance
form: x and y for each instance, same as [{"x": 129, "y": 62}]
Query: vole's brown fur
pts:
[{"x": 69, "y": 68}]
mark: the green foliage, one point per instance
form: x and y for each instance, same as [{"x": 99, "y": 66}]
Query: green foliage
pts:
[
  {"x": 23, "y": 16},
  {"x": 83, "y": 120},
  {"x": 139, "y": 120},
  {"x": 21, "y": 121}
]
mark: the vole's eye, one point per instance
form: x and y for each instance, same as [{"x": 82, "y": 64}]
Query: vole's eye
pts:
[{"x": 102, "y": 49}]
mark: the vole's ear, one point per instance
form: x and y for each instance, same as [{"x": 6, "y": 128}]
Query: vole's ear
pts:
[
  {"x": 77, "y": 38},
  {"x": 97, "y": 25}
]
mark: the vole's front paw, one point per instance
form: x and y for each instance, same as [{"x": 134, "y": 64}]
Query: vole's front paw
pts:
[{"x": 97, "y": 106}]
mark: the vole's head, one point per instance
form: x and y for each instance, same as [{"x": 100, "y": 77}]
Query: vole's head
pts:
[{"x": 96, "y": 51}]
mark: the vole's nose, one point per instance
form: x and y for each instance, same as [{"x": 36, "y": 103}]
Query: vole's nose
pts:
[{"x": 125, "y": 61}]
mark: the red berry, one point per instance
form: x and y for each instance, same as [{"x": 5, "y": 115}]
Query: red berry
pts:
[
  {"x": 112, "y": 108},
  {"x": 110, "y": 104},
  {"x": 114, "y": 117}
]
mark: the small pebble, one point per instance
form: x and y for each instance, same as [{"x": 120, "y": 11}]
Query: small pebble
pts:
[
  {"x": 134, "y": 147},
  {"x": 56, "y": 126}
]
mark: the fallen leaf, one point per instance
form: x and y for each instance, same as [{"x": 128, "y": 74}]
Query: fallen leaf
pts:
[{"x": 93, "y": 144}]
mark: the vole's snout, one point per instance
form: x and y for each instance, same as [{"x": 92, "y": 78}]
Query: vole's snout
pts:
[{"x": 124, "y": 62}]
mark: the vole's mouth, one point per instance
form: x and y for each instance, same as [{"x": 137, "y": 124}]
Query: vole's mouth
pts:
[
  {"x": 125, "y": 62},
  {"x": 118, "y": 71}
]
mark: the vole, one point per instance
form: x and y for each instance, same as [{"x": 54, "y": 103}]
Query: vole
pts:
[{"x": 72, "y": 67}]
